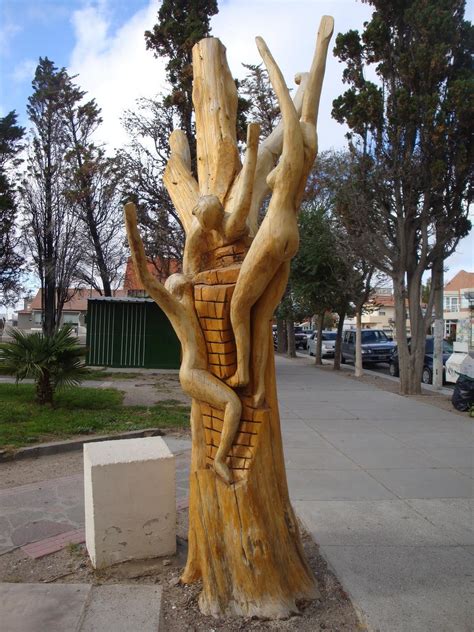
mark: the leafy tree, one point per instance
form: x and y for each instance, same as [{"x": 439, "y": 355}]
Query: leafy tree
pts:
[
  {"x": 318, "y": 272},
  {"x": 10, "y": 260},
  {"x": 52, "y": 361},
  {"x": 94, "y": 189},
  {"x": 411, "y": 132},
  {"x": 51, "y": 230}
]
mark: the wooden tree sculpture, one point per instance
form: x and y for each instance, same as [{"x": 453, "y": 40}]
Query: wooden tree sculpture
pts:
[{"x": 244, "y": 541}]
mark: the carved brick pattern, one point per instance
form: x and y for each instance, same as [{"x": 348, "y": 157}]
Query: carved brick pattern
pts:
[
  {"x": 213, "y": 309},
  {"x": 213, "y": 291},
  {"x": 245, "y": 441}
]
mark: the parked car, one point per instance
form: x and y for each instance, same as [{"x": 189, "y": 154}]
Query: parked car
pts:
[
  {"x": 427, "y": 375},
  {"x": 301, "y": 340},
  {"x": 327, "y": 345},
  {"x": 377, "y": 346}
]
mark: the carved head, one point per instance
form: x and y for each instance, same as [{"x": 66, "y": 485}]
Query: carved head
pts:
[
  {"x": 209, "y": 212},
  {"x": 178, "y": 284}
]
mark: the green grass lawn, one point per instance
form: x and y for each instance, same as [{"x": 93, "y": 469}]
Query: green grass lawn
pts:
[
  {"x": 98, "y": 374},
  {"x": 77, "y": 411}
]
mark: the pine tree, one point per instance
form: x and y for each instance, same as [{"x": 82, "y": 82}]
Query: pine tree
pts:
[
  {"x": 10, "y": 260},
  {"x": 51, "y": 230},
  {"x": 181, "y": 23}
]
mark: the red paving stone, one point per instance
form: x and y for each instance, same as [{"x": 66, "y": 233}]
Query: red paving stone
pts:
[{"x": 56, "y": 543}]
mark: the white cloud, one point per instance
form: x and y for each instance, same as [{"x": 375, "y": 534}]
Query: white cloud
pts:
[
  {"x": 114, "y": 67},
  {"x": 7, "y": 31},
  {"x": 24, "y": 71}
]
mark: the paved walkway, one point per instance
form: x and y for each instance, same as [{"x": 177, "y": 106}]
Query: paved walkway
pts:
[
  {"x": 385, "y": 485},
  {"x": 38, "y": 512}
]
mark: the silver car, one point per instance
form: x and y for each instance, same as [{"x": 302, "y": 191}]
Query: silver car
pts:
[{"x": 327, "y": 345}]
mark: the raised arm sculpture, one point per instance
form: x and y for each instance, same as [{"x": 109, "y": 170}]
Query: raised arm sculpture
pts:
[{"x": 244, "y": 541}]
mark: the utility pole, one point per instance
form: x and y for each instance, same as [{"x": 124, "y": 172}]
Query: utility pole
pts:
[{"x": 438, "y": 328}]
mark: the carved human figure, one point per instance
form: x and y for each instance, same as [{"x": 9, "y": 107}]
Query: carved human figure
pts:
[
  {"x": 264, "y": 273},
  {"x": 177, "y": 301}
]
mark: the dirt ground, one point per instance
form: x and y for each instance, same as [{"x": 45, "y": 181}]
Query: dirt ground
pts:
[{"x": 333, "y": 611}]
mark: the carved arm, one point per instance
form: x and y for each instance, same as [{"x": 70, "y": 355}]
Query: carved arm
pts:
[
  {"x": 268, "y": 154},
  {"x": 169, "y": 304},
  {"x": 236, "y": 218},
  {"x": 293, "y": 148}
]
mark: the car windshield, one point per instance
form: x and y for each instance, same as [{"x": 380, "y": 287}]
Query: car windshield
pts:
[
  {"x": 331, "y": 335},
  {"x": 370, "y": 336}
]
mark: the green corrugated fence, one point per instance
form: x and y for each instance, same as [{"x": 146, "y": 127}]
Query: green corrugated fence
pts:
[{"x": 130, "y": 332}]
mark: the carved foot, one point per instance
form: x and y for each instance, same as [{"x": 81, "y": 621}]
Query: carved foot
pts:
[
  {"x": 223, "y": 471},
  {"x": 258, "y": 399},
  {"x": 238, "y": 379}
]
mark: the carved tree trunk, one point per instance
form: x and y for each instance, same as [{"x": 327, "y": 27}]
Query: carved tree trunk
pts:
[{"x": 244, "y": 541}]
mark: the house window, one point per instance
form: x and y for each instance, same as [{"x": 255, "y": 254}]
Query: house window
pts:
[
  {"x": 71, "y": 318},
  {"x": 450, "y": 328},
  {"x": 381, "y": 312},
  {"x": 451, "y": 303},
  {"x": 37, "y": 318}
]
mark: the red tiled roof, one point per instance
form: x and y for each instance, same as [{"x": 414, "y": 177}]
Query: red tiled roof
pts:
[
  {"x": 386, "y": 300},
  {"x": 461, "y": 281},
  {"x": 77, "y": 302},
  {"x": 160, "y": 268}
]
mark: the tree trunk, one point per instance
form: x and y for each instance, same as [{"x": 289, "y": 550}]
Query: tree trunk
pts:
[
  {"x": 319, "y": 340},
  {"x": 290, "y": 337},
  {"x": 44, "y": 389},
  {"x": 282, "y": 340},
  {"x": 337, "y": 346},
  {"x": 247, "y": 552},
  {"x": 437, "y": 283},
  {"x": 359, "y": 371}
]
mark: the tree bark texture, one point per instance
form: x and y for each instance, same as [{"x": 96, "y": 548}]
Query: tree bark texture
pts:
[
  {"x": 358, "y": 368},
  {"x": 244, "y": 541}
]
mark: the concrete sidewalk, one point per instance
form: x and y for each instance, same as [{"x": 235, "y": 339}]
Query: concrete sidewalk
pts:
[
  {"x": 80, "y": 608},
  {"x": 385, "y": 485},
  {"x": 48, "y": 511}
]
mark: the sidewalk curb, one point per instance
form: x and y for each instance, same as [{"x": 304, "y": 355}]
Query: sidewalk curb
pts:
[{"x": 44, "y": 449}]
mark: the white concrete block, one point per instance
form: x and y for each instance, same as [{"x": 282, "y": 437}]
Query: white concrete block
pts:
[{"x": 130, "y": 500}]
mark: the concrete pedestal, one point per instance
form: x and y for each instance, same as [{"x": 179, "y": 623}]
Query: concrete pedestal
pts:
[{"x": 130, "y": 500}]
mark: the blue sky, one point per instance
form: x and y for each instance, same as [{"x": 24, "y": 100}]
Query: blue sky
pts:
[{"x": 102, "y": 41}]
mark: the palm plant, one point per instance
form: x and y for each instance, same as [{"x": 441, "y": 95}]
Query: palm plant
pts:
[{"x": 52, "y": 361}]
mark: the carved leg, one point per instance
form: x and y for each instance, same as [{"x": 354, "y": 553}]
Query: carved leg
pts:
[
  {"x": 261, "y": 315},
  {"x": 207, "y": 388},
  {"x": 255, "y": 275}
]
